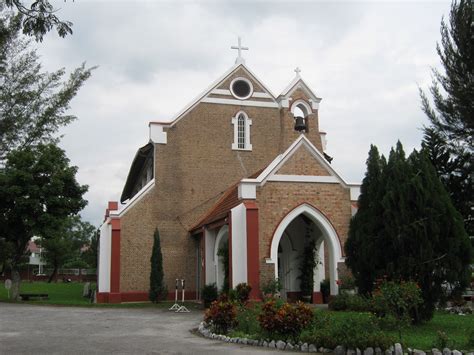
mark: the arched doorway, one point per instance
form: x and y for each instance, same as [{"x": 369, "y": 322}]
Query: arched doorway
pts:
[
  {"x": 297, "y": 229},
  {"x": 222, "y": 242}
]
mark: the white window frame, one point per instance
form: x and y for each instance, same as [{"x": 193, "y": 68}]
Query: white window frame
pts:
[
  {"x": 248, "y": 123},
  {"x": 231, "y": 87}
]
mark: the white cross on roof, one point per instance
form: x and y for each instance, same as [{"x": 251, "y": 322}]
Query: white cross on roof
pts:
[
  {"x": 239, "y": 59},
  {"x": 297, "y": 71}
]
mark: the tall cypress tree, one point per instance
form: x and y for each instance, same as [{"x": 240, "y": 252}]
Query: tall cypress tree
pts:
[
  {"x": 365, "y": 227},
  {"x": 421, "y": 236},
  {"x": 158, "y": 289}
]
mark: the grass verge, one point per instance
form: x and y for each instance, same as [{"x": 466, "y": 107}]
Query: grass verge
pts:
[{"x": 70, "y": 294}]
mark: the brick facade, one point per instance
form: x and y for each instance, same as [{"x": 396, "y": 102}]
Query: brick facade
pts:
[
  {"x": 197, "y": 165},
  {"x": 277, "y": 199}
]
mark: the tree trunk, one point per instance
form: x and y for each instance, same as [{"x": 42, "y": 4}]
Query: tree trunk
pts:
[
  {"x": 53, "y": 274},
  {"x": 15, "y": 289}
]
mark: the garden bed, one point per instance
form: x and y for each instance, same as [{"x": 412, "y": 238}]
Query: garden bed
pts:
[{"x": 350, "y": 331}]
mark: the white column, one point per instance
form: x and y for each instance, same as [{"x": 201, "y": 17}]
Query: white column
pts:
[
  {"x": 105, "y": 244},
  {"x": 333, "y": 275},
  {"x": 319, "y": 270},
  {"x": 209, "y": 242},
  {"x": 239, "y": 244}
]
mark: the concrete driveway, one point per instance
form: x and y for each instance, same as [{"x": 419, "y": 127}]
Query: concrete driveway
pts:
[{"x": 30, "y": 329}]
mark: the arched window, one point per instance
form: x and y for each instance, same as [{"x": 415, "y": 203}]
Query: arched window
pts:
[
  {"x": 242, "y": 125},
  {"x": 241, "y": 131}
]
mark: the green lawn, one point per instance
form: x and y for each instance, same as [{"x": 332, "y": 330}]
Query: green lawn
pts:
[
  {"x": 424, "y": 336},
  {"x": 70, "y": 294}
]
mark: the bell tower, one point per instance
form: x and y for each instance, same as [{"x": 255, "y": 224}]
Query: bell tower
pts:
[{"x": 299, "y": 114}]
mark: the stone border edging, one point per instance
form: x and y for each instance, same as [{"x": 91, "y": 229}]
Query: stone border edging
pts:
[{"x": 305, "y": 347}]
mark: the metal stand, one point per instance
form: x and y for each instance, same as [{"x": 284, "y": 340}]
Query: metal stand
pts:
[
  {"x": 183, "y": 308},
  {"x": 176, "y": 305}
]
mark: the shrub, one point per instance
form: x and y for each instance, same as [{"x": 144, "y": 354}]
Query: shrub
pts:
[
  {"x": 209, "y": 294},
  {"x": 221, "y": 316},
  {"x": 243, "y": 292},
  {"x": 285, "y": 322},
  {"x": 399, "y": 300},
  {"x": 358, "y": 331},
  {"x": 348, "y": 302},
  {"x": 247, "y": 321},
  {"x": 347, "y": 283},
  {"x": 442, "y": 340}
]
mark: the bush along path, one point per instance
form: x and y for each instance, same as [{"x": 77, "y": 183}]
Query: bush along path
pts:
[{"x": 396, "y": 349}]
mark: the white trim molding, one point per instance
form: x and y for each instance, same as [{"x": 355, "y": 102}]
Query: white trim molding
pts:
[
  {"x": 249, "y": 83},
  {"x": 247, "y": 191},
  {"x": 301, "y": 103},
  {"x": 329, "y": 234},
  {"x": 226, "y": 92},
  {"x": 217, "y": 100},
  {"x": 304, "y": 178},
  {"x": 157, "y": 135},
  {"x": 137, "y": 197}
]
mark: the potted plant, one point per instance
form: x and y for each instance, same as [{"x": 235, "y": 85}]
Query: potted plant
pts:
[
  {"x": 271, "y": 288},
  {"x": 308, "y": 263}
]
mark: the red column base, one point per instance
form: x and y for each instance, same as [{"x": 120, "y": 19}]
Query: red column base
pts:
[
  {"x": 102, "y": 297},
  {"x": 115, "y": 297},
  {"x": 318, "y": 297}
]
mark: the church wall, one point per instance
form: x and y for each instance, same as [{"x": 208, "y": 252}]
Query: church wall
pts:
[
  {"x": 191, "y": 172},
  {"x": 277, "y": 199},
  {"x": 303, "y": 163},
  {"x": 137, "y": 229}
]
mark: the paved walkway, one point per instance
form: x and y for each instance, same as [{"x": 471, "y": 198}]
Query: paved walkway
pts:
[{"x": 30, "y": 329}]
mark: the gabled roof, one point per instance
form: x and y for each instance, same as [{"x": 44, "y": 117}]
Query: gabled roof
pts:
[
  {"x": 229, "y": 199},
  {"x": 281, "y": 159},
  {"x": 296, "y": 83},
  {"x": 215, "y": 85},
  {"x": 220, "y": 210}
]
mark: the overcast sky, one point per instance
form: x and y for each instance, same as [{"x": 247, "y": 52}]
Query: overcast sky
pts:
[{"x": 365, "y": 59}]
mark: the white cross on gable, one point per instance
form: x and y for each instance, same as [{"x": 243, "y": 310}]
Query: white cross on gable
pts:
[
  {"x": 297, "y": 71},
  {"x": 239, "y": 48}
]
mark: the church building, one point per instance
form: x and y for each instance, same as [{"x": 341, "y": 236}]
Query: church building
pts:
[{"x": 237, "y": 183}]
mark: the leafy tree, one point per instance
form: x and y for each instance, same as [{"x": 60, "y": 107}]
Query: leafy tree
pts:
[
  {"x": 454, "y": 168},
  {"x": 38, "y": 190},
  {"x": 39, "y": 18},
  {"x": 33, "y": 103},
  {"x": 64, "y": 246},
  {"x": 158, "y": 289},
  {"x": 453, "y": 89},
  {"x": 90, "y": 255},
  {"x": 420, "y": 237}
]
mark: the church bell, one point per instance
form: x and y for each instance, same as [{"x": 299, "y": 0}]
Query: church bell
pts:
[{"x": 299, "y": 124}]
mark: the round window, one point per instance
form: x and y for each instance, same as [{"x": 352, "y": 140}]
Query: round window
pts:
[{"x": 241, "y": 88}]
